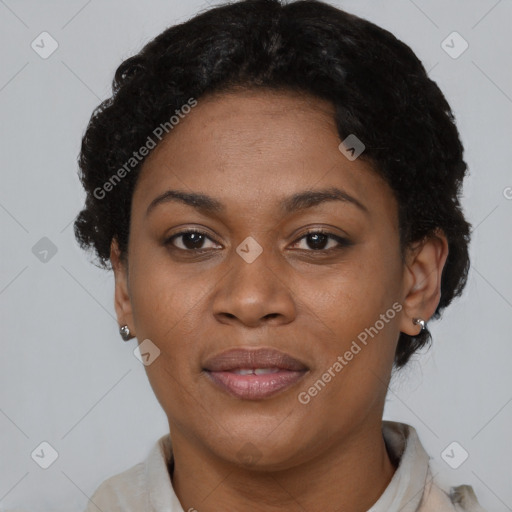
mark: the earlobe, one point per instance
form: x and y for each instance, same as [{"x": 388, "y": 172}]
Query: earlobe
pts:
[
  {"x": 122, "y": 301},
  {"x": 422, "y": 281}
]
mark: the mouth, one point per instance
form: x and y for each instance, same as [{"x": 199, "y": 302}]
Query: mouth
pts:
[{"x": 254, "y": 374}]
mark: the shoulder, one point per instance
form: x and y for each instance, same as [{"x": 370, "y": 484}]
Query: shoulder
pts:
[
  {"x": 461, "y": 498},
  {"x": 121, "y": 492},
  {"x": 414, "y": 472},
  {"x": 464, "y": 497},
  {"x": 144, "y": 486}
]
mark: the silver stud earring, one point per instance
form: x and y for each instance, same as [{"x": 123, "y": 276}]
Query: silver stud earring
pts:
[
  {"x": 125, "y": 333},
  {"x": 419, "y": 321}
]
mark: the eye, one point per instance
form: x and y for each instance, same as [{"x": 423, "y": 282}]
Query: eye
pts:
[
  {"x": 191, "y": 240},
  {"x": 319, "y": 241}
]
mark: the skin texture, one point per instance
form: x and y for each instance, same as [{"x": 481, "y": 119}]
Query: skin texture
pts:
[{"x": 250, "y": 150}]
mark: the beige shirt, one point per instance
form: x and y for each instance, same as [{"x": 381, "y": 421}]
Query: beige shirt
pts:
[{"x": 147, "y": 486}]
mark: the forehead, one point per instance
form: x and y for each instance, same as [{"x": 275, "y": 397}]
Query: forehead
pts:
[{"x": 256, "y": 147}]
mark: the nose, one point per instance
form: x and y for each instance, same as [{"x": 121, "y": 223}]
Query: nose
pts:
[{"x": 254, "y": 294}]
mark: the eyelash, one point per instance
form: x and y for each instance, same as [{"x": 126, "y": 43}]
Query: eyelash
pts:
[{"x": 343, "y": 242}]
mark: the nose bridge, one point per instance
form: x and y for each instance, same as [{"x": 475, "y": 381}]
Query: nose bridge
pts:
[
  {"x": 254, "y": 267},
  {"x": 255, "y": 286}
]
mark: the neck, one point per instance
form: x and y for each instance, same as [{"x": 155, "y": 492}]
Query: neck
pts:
[{"x": 350, "y": 475}]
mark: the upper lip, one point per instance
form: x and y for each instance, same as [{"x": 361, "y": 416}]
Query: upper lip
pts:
[{"x": 251, "y": 359}]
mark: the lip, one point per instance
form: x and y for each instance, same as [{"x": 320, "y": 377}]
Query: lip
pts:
[{"x": 281, "y": 371}]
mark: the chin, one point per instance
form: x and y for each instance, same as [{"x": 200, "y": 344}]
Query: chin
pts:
[{"x": 260, "y": 446}]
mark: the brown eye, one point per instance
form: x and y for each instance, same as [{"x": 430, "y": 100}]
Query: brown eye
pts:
[
  {"x": 322, "y": 241},
  {"x": 190, "y": 240},
  {"x": 314, "y": 241}
]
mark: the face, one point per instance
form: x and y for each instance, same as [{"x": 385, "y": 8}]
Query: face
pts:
[{"x": 307, "y": 280}]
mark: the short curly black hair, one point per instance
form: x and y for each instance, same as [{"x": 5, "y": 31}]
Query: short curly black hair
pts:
[{"x": 380, "y": 90}]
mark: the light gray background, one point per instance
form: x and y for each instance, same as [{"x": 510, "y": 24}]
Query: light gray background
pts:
[{"x": 67, "y": 378}]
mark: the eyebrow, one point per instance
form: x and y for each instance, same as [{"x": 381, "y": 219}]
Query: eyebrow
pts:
[{"x": 294, "y": 203}]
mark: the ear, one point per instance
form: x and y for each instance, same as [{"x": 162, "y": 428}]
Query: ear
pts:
[
  {"x": 122, "y": 300},
  {"x": 422, "y": 280}
]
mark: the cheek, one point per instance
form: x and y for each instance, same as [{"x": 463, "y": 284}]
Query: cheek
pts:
[
  {"x": 164, "y": 311},
  {"x": 359, "y": 306},
  {"x": 162, "y": 299},
  {"x": 360, "y": 290}
]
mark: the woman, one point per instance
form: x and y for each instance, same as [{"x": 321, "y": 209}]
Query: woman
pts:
[{"x": 276, "y": 190}]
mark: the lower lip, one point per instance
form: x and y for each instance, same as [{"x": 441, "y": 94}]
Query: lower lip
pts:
[{"x": 255, "y": 387}]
